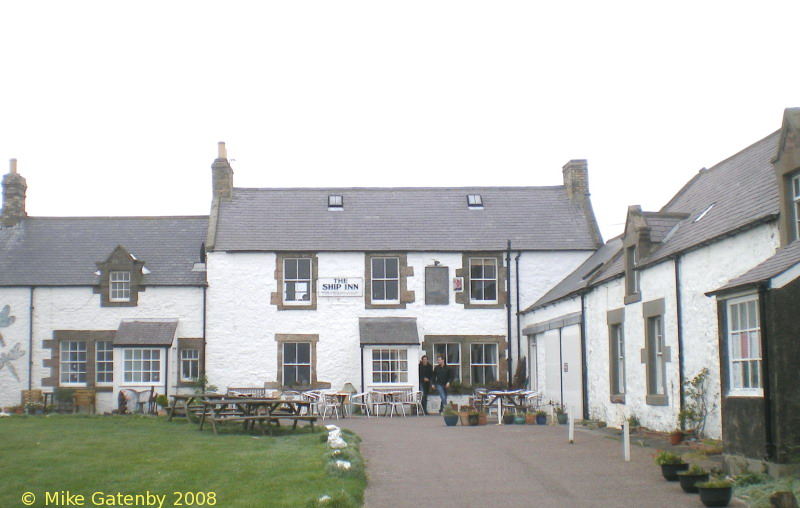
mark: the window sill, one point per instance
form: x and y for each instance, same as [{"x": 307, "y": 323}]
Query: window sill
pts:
[
  {"x": 618, "y": 399},
  {"x": 749, "y": 394},
  {"x": 657, "y": 400}
]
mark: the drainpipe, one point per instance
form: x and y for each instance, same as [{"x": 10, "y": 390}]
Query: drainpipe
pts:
[
  {"x": 560, "y": 366},
  {"x": 762, "y": 311},
  {"x": 508, "y": 313},
  {"x": 584, "y": 367},
  {"x": 205, "y": 316},
  {"x": 30, "y": 342},
  {"x": 519, "y": 331},
  {"x": 678, "y": 306},
  {"x": 362, "y": 369}
]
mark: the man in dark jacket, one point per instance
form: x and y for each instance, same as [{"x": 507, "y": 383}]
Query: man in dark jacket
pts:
[
  {"x": 441, "y": 380},
  {"x": 425, "y": 375}
]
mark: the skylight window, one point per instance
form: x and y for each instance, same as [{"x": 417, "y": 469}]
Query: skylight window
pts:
[
  {"x": 335, "y": 202},
  {"x": 704, "y": 213},
  {"x": 474, "y": 201}
]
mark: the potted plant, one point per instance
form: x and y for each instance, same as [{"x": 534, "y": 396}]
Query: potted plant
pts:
[
  {"x": 670, "y": 463},
  {"x": 530, "y": 418},
  {"x": 33, "y": 408},
  {"x": 633, "y": 423},
  {"x": 691, "y": 477},
  {"x": 17, "y": 410},
  {"x": 541, "y": 417},
  {"x": 483, "y": 418},
  {"x": 675, "y": 437},
  {"x": 450, "y": 415},
  {"x": 163, "y": 402},
  {"x": 508, "y": 418},
  {"x": 519, "y": 419},
  {"x": 716, "y": 492},
  {"x": 463, "y": 415},
  {"x": 472, "y": 416},
  {"x": 561, "y": 413}
]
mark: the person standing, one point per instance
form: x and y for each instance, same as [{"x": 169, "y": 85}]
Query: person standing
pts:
[
  {"x": 441, "y": 380},
  {"x": 425, "y": 375}
]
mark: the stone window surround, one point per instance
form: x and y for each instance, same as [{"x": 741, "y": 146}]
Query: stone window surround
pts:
[
  {"x": 405, "y": 271},
  {"x": 276, "y": 298},
  {"x": 191, "y": 343},
  {"x": 463, "y": 297},
  {"x": 280, "y": 339},
  {"x": 90, "y": 337},
  {"x": 120, "y": 260},
  {"x": 654, "y": 308},
  {"x": 615, "y": 317},
  {"x": 464, "y": 342}
]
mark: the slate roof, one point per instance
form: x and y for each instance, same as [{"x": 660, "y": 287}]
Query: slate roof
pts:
[
  {"x": 397, "y": 330},
  {"x": 63, "y": 251},
  {"x": 146, "y": 332},
  {"x": 404, "y": 219},
  {"x": 582, "y": 276},
  {"x": 780, "y": 262}
]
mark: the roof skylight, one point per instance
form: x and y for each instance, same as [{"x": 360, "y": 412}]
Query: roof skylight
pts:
[
  {"x": 474, "y": 201},
  {"x": 335, "y": 202},
  {"x": 704, "y": 213}
]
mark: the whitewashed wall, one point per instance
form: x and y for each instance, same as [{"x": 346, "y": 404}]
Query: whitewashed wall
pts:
[
  {"x": 78, "y": 308},
  {"x": 14, "y": 375},
  {"x": 700, "y": 271},
  {"x": 242, "y": 323}
]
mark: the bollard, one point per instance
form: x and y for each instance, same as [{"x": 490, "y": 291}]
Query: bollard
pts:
[
  {"x": 626, "y": 441},
  {"x": 571, "y": 428}
]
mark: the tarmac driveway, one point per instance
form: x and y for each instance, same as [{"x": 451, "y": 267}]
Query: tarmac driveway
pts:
[{"x": 419, "y": 462}]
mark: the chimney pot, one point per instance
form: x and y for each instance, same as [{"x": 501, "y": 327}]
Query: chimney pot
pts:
[
  {"x": 222, "y": 153},
  {"x": 13, "y": 166}
]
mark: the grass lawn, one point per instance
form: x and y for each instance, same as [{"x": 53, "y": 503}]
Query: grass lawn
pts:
[{"x": 134, "y": 455}]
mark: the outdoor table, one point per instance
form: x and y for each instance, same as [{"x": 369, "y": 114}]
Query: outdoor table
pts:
[
  {"x": 251, "y": 410},
  {"x": 512, "y": 399},
  {"x": 185, "y": 399},
  {"x": 341, "y": 399}
]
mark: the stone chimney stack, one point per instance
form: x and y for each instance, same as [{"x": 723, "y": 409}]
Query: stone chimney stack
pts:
[
  {"x": 576, "y": 180},
  {"x": 14, "y": 187},
  {"x": 222, "y": 173}
]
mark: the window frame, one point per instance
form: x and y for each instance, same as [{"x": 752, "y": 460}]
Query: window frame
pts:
[
  {"x": 62, "y": 372},
  {"x": 483, "y": 365},
  {"x": 296, "y": 364},
  {"x": 455, "y": 368},
  {"x": 117, "y": 286},
  {"x": 309, "y": 281},
  {"x": 398, "y": 371},
  {"x": 616, "y": 337},
  {"x": 484, "y": 279},
  {"x": 183, "y": 361},
  {"x": 795, "y": 192},
  {"x": 734, "y": 390},
  {"x": 656, "y": 366},
  {"x": 133, "y": 382},
  {"x": 107, "y": 361},
  {"x": 385, "y": 279}
]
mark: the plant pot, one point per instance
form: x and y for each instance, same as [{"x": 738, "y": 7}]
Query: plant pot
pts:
[
  {"x": 451, "y": 420},
  {"x": 688, "y": 481},
  {"x": 483, "y": 419},
  {"x": 670, "y": 471},
  {"x": 562, "y": 418},
  {"x": 675, "y": 438},
  {"x": 530, "y": 419},
  {"x": 719, "y": 496},
  {"x": 541, "y": 419},
  {"x": 473, "y": 420},
  {"x": 519, "y": 420},
  {"x": 508, "y": 419},
  {"x": 463, "y": 418}
]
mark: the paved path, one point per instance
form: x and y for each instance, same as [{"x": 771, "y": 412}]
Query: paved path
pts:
[{"x": 419, "y": 462}]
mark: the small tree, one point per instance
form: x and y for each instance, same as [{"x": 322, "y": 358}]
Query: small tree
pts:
[{"x": 698, "y": 405}]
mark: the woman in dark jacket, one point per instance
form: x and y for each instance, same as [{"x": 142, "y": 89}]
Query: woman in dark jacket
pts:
[
  {"x": 441, "y": 380},
  {"x": 425, "y": 375}
]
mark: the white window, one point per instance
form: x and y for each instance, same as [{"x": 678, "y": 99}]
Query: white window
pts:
[
  {"x": 483, "y": 363},
  {"x": 451, "y": 352},
  {"x": 389, "y": 365},
  {"x": 385, "y": 280},
  {"x": 796, "y": 206},
  {"x": 483, "y": 280},
  {"x": 297, "y": 281},
  {"x": 72, "y": 365},
  {"x": 655, "y": 336},
  {"x": 296, "y": 363},
  {"x": 190, "y": 364},
  {"x": 120, "y": 286},
  {"x": 744, "y": 346},
  {"x": 617, "y": 359},
  {"x": 474, "y": 201},
  {"x": 104, "y": 362},
  {"x": 142, "y": 365}
]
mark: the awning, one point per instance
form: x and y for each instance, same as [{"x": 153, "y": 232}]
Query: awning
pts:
[
  {"x": 146, "y": 332},
  {"x": 388, "y": 331}
]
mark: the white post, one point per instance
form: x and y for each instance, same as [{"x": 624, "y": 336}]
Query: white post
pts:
[
  {"x": 626, "y": 441},
  {"x": 571, "y": 427},
  {"x": 499, "y": 410}
]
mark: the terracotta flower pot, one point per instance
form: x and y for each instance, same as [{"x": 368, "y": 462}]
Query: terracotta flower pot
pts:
[{"x": 675, "y": 437}]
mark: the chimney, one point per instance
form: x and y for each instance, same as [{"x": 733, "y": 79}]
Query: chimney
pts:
[
  {"x": 576, "y": 180},
  {"x": 14, "y": 187},
  {"x": 222, "y": 173}
]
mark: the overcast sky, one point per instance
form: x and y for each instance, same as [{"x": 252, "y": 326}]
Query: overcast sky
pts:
[{"x": 116, "y": 108}]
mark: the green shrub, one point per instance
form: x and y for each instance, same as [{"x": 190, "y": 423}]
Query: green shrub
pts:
[{"x": 665, "y": 457}]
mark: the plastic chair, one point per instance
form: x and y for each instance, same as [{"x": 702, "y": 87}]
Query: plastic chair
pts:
[
  {"x": 333, "y": 405},
  {"x": 362, "y": 400},
  {"x": 414, "y": 399}
]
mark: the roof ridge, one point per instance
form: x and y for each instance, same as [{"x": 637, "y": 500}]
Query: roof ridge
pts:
[{"x": 501, "y": 187}]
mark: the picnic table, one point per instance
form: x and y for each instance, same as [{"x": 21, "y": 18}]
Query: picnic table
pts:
[
  {"x": 511, "y": 399},
  {"x": 250, "y": 411},
  {"x": 183, "y": 401}
]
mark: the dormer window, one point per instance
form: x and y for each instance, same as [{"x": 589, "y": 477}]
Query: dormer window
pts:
[
  {"x": 335, "y": 202},
  {"x": 119, "y": 287},
  {"x": 474, "y": 201}
]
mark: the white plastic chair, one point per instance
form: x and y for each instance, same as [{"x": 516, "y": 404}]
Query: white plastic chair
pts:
[
  {"x": 333, "y": 405},
  {"x": 414, "y": 399},
  {"x": 363, "y": 400}
]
